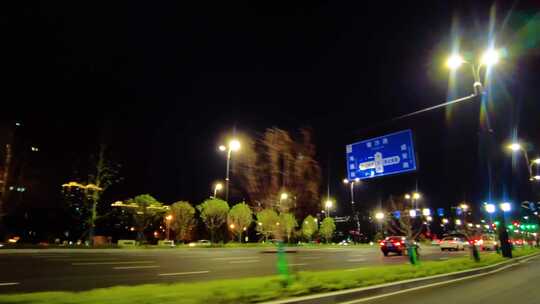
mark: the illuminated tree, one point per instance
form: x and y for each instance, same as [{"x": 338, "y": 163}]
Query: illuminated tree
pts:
[
  {"x": 309, "y": 227},
  {"x": 183, "y": 219},
  {"x": 214, "y": 215},
  {"x": 267, "y": 223},
  {"x": 327, "y": 228},
  {"x": 240, "y": 217},
  {"x": 288, "y": 224}
]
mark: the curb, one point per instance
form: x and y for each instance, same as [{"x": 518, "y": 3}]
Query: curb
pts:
[{"x": 380, "y": 290}]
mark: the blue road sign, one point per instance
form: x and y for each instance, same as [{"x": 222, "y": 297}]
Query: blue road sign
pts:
[
  {"x": 380, "y": 156},
  {"x": 440, "y": 212}
]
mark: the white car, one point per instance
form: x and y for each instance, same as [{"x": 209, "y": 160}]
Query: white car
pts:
[
  {"x": 487, "y": 242},
  {"x": 202, "y": 243},
  {"x": 453, "y": 243}
]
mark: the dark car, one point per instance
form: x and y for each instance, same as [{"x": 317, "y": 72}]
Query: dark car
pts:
[{"x": 396, "y": 244}]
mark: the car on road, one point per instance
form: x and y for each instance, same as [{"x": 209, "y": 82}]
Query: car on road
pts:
[
  {"x": 396, "y": 244},
  {"x": 200, "y": 243},
  {"x": 453, "y": 243},
  {"x": 487, "y": 242}
]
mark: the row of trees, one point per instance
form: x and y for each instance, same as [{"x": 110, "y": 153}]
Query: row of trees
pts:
[{"x": 216, "y": 216}]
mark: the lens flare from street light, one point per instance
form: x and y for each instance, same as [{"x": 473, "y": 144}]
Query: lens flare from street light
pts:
[
  {"x": 234, "y": 145},
  {"x": 490, "y": 57},
  {"x": 328, "y": 204},
  {"x": 490, "y": 208},
  {"x": 505, "y": 207},
  {"x": 514, "y": 146},
  {"x": 454, "y": 61}
]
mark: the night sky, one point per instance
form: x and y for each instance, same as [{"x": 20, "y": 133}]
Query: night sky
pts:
[{"x": 162, "y": 83}]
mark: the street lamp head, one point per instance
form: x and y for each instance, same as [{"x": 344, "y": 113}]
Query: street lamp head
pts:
[
  {"x": 168, "y": 217},
  {"x": 490, "y": 208},
  {"x": 464, "y": 206},
  {"x": 234, "y": 145},
  {"x": 284, "y": 196},
  {"x": 514, "y": 146},
  {"x": 231, "y": 226},
  {"x": 345, "y": 181},
  {"x": 222, "y": 148},
  {"x": 490, "y": 57},
  {"x": 379, "y": 216},
  {"x": 407, "y": 196},
  {"x": 219, "y": 186},
  {"x": 505, "y": 207},
  {"x": 416, "y": 195},
  {"x": 328, "y": 204},
  {"x": 454, "y": 61}
]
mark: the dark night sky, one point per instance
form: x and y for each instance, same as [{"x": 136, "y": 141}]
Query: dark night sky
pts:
[{"x": 162, "y": 82}]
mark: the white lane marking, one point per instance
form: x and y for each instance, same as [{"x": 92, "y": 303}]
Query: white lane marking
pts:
[
  {"x": 311, "y": 258},
  {"x": 9, "y": 284},
  {"x": 183, "y": 273},
  {"x": 234, "y": 258},
  {"x": 298, "y": 264},
  {"x": 112, "y": 263},
  {"x": 244, "y": 261},
  {"x": 135, "y": 267},
  {"x": 356, "y": 260}
]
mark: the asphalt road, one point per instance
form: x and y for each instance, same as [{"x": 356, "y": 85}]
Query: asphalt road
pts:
[
  {"x": 518, "y": 284},
  {"x": 25, "y": 271}
]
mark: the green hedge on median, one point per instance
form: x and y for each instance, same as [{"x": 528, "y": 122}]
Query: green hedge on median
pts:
[{"x": 252, "y": 290}]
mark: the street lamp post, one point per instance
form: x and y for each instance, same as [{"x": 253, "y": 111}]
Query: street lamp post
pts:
[
  {"x": 328, "y": 205},
  {"x": 217, "y": 187},
  {"x": 353, "y": 206},
  {"x": 168, "y": 218},
  {"x": 234, "y": 145}
]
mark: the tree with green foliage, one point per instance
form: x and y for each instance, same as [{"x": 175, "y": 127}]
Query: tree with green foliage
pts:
[
  {"x": 327, "y": 228},
  {"x": 214, "y": 214},
  {"x": 183, "y": 219},
  {"x": 240, "y": 217},
  {"x": 267, "y": 223},
  {"x": 309, "y": 227},
  {"x": 288, "y": 224},
  {"x": 146, "y": 212}
]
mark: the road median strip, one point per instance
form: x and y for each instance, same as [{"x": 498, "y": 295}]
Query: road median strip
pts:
[{"x": 305, "y": 287}]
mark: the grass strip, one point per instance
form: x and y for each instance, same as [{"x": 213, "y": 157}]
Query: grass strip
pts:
[{"x": 253, "y": 290}]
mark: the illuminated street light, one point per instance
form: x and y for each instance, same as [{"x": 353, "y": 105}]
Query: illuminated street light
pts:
[
  {"x": 490, "y": 57},
  {"x": 217, "y": 187},
  {"x": 379, "y": 216},
  {"x": 505, "y": 207},
  {"x": 345, "y": 181},
  {"x": 328, "y": 205},
  {"x": 407, "y": 196},
  {"x": 514, "y": 146},
  {"x": 416, "y": 195},
  {"x": 283, "y": 196},
  {"x": 231, "y": 226},
  {"x": 464, "y": 206},
  {"x": 490, "y": 208},
  {"x": 234, "y": 145},
  {"x": 169, "y": 217},
  {"x": 454, "y": 61},
  {"x": 536, "y": 161}
]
